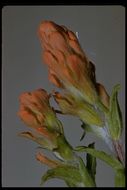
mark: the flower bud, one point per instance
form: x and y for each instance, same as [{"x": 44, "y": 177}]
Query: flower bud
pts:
[{"x": 36, "y": 112}]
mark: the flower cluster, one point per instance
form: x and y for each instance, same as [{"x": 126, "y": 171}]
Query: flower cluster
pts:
[
  {"x": 37, "y": 113},
  {"x": 82, "y": 96},
  {"x": 70, "y": 69}
]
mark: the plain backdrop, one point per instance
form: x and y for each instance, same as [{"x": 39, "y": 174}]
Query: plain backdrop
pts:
[{"x": 101, "y": 31}]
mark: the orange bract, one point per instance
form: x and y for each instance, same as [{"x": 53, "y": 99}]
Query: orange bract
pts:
[{"x": 45, "y": 160}]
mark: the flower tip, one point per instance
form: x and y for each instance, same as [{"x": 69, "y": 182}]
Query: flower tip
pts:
[
  {"x": 45, "y": 160},
  {"x": 47, "y": 26}
]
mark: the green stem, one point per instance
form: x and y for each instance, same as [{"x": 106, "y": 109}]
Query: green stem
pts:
[
  {"x": 120, "y": 178},
  {"x": 86, "y": 177}
]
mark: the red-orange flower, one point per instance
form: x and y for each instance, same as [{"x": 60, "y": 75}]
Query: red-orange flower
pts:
[
  {"x": 68, "y": 65},
  {"x": 70, "y": 69},
  {"x": 36, "y": 112}
]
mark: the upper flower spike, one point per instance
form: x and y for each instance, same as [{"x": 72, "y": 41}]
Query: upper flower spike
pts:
[{"x": 67, "y": 63}]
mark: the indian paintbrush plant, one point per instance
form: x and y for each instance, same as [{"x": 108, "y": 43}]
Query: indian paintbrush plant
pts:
[{"x": 82, "y": 96}]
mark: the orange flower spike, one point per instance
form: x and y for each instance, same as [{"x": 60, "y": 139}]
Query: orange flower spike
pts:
[
  {"x": 36, "y": 112},
  {"x": 65, "y": 57}
]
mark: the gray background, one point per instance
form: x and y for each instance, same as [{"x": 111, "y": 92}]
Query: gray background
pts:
[{"x": 101, "y": 32}]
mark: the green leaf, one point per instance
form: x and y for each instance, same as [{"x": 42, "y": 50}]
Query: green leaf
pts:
[
  {"x": 69, "y": 174},
  {"x": 91, "y": 162},
  {"x": 115, "y": 115},
  {"x": 86, "y": 177},
  {"x": 120, "y": 178},
  {"x": 110, "y": 160}
]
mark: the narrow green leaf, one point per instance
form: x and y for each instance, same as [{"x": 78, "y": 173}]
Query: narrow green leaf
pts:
[
  {"x": 115, "y": 115},
  {"x": 91, "y": 162},
  {"x": 112, "y": 161},
  {"x": 86, "y": 177},
  {"x": 69, "y": 174},
  {"x": 120, "y": 178}
]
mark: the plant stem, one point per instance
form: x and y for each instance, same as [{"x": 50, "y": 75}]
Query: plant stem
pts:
[{"x": 120, "y": 178}]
